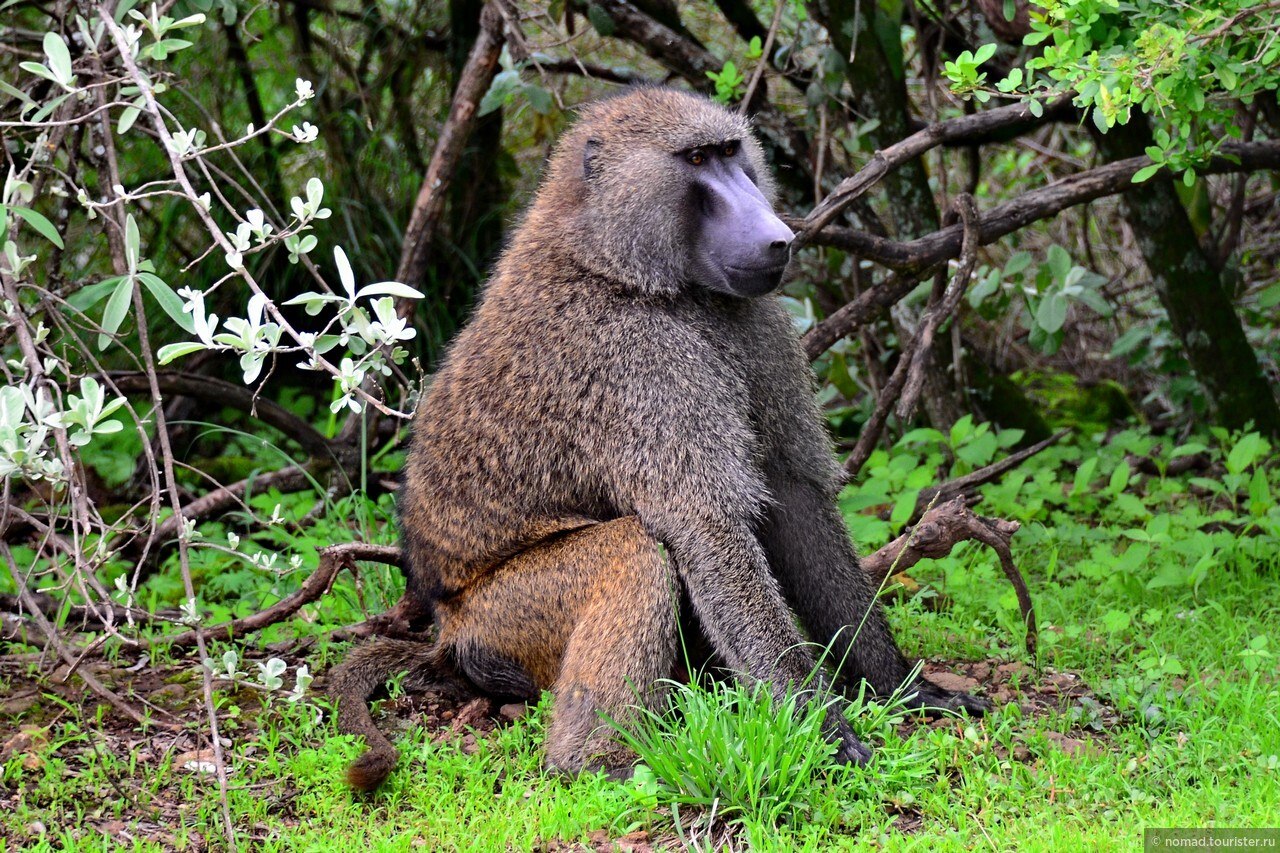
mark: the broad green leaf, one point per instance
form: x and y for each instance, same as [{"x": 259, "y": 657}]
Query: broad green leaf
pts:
[
  {"x": 389, "y": 288},
  {"x": 89, "y": 296},
  {"x": 40, "y": 224},
  {"x": 116, "y": 310},
  {"x": 1083, "y": 475},
  {"x": 169, "y": 301},
  {"x": 1051, "y": 313},
  {"x": 1248, "y": 449},
  {"x": 1145, "y": 173},
  {"x": 59, "y": 57},
  {"x": 1119, "y": 478}
]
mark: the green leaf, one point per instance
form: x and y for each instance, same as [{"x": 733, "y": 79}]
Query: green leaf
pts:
[
  {"x": 1115, "y": 621},
  {"x": 1269, "y": 297},
  {"x": 1119, "y": 478},
  {"x": 116, "y": 310},
  {"x": 132, "y": 243},
  {"x": 40, "y": 224},
  {"x": 59, "y": 57},
  {"x": 1083, "y": 475},
  {"x": 1248, "y": 449},
  {"x": 600, "y": 20},
  {"x": 984, "y": 53},
  {"x": 387, "y": 288},
  {"x": 169, "y": 301},
  {"x": 539, "y": 98},
  {"x": 128, "y": 116},
  {"x": 1017, "y": 263},
  {"x": 1130, "y": 341},
  {"x": 169, "y": 352},
  {"x": 1051, "y": 313},
  {"x": 90, "y": 295},
  {"x": 1059, "y": 262},
  {"x": 1145, "y": 173}
]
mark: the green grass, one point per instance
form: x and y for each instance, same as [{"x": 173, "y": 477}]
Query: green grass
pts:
[{"x": 1160, "y": 593}]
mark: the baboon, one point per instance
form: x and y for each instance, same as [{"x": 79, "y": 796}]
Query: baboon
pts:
[{"x": 628, "y": 423}]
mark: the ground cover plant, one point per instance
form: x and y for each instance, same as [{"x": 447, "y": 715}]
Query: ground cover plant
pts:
[
  {"x": 1153, "y": 702},
  {"x": 1036, "y": 277}
]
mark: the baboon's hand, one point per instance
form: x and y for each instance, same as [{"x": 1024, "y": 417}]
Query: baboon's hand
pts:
[
  {"x": 929, "y": 697},
  {"x": 848, "y": 748}
]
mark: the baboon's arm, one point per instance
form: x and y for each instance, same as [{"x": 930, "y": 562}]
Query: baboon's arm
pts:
[
  {"x": 809, "y": 550},
  {"x": 808, "y": 547},
  {"x": 738, "y": 602}
]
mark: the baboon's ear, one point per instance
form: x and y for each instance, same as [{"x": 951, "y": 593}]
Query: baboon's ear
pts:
[{"x": 590, "y": 151}]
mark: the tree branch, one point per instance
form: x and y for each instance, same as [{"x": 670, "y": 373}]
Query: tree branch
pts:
[
  {"x": 1116, "y": 177},
  {"x": 333, "y": 559},
  {"x": 219, "y": 392},
  {"x": 940, "y": 530},
  {"x": 861, "y": 310},
  {"x": 428, "y": 208}
]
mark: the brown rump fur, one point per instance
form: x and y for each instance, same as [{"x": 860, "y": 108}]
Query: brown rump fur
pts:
[{"x": 607, "y": 440}]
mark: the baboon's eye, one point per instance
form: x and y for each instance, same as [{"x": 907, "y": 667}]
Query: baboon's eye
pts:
[
  {"x": 697, "y": 157},
  {"x": 729, "y": 149}
]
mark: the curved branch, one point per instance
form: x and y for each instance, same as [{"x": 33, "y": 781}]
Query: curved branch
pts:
[
  {"x": 888, "y": 159},
  {"x": 946, "y": 305},
  {"x": 941, "y": 529},
  {"x": 333, "y": 559},
  {"x": 861, "y": 310},
  {"x": 1042, "y": 203},
  {"x": 220, "y": 392}
]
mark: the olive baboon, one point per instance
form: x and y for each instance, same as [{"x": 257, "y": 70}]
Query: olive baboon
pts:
[{"x": 627, "y": 423}]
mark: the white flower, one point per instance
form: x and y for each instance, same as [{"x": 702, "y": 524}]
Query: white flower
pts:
[
  {"x": 258, "y": 224},
  {"x": 303, "y": 89},
  {"x": 307, "y": 133},
  {"x": 205, "y": 324}
]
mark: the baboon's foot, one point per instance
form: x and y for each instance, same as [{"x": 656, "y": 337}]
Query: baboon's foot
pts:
[
  {"x": 931, "y": 698},
  {"x": 849, "y": 750}
]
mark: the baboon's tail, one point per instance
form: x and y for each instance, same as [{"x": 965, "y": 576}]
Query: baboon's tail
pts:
[{"x": 367, "y": 668}]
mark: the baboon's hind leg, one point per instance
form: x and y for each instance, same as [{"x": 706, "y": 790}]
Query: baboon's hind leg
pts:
[
  {"x": 623, "y": 644},
  {"x": 590, "y": 616}
]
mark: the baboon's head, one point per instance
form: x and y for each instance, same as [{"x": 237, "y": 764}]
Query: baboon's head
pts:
[{"x": 660, "y": 190}]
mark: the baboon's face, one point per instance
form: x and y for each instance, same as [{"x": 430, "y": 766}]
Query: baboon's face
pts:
[
  {"x": 662, "y": 191},
  {"x": 737, "y": 245}
]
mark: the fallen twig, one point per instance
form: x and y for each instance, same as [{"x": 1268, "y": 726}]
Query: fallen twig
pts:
[
  {"x": 333, "y": 559},
  {"x": 940, "y": 530}
]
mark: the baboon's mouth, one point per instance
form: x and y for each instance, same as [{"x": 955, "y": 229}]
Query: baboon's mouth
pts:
[{"x": 776, "y": 270}]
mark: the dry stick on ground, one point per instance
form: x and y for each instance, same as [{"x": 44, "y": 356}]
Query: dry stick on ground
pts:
[
  {"x": 940, "y": 530},
  {"x": 333, "y": 559}
]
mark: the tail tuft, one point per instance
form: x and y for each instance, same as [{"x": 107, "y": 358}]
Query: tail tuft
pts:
[
  {"x": 367, "y": 668},
  {"x": 371, "y": 769}
]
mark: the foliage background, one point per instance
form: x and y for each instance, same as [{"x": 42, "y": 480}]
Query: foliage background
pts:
[{"x": 238, "y": 237}]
